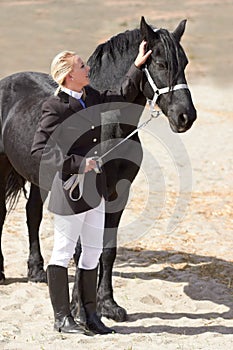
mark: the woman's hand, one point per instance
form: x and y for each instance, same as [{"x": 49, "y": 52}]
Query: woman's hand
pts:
[
  {"x": 90, "y": 165},
  {"x": 142, "y": 54}
]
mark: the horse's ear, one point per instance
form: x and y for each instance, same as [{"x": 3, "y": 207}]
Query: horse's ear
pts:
[
  {"x": 146, "y": 30},
  {"x": 179, "y": 31}
]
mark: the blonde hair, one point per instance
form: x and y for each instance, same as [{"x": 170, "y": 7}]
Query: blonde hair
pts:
[{"x": 61, "y": 65}]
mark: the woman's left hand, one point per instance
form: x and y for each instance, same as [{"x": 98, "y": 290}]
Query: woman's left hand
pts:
[
  {"x": 90, "y": 165},
  {"x": 142, "y": 54}
]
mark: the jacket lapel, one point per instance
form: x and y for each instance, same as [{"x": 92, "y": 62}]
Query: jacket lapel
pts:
[{"x": 74, "y": 104}]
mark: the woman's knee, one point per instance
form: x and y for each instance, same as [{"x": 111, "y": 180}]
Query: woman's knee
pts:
[
  {"x": 62, "y": 253},
  {"x": 89, "y": 258},
  {"x": 60, "y": 260}
]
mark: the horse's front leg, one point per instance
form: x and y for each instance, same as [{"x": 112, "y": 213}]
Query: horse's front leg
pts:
[
  {"x": 106, "y": 305},
  {"x": 34, "y": 210}
]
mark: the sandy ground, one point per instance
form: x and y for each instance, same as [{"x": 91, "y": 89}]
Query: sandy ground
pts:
[{"x": 174, "y": 268}]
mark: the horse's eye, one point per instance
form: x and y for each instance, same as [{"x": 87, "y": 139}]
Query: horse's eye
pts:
[{"x": 161, "y": 65}]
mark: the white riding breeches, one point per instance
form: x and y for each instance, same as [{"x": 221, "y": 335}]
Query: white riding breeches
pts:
[{"x": 89, "y": 226}]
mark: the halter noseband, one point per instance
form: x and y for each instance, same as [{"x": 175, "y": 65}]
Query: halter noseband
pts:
[{"x": 157, "y": 91}]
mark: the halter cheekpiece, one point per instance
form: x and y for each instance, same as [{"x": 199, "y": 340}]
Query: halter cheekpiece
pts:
[{"x": 157, "y": 91}]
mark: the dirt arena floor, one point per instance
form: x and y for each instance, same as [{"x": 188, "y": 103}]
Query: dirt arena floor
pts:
[{"x": 174, "y": 269}]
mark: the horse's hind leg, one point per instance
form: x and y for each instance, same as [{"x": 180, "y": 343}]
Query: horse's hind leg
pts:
[
  {"x": 5, "y": 168},
  {"x": 34, "y": 210},
  {"x": 2, "y": 219}
]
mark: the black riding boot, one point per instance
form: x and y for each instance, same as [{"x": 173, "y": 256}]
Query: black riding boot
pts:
[
  {"x": 87, "y": 291},
  {"x": 59, "y": 295}
]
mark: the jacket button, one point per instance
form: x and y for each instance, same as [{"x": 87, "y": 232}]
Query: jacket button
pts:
[
  {"x": 95, "y": 152},
  {"x": 93, "y": 127},
  {"x": 94, "y": 140}
]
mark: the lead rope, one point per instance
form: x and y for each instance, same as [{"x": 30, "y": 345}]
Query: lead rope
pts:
[
  {"x": 130, "y": 135},
  {"x": 78, "y": 179}
]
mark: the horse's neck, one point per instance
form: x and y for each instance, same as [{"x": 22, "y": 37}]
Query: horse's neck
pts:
[
  {"x": 131, "y": 116},
  {"x": 108, "y": 71},
  {"x": 109, "y": 66},
  {"x": 125, "y": 60}
]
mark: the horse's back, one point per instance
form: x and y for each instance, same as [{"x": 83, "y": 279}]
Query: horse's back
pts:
[
  {"x": 21, "y": 98},
  {"x": 17, "y": 87}
]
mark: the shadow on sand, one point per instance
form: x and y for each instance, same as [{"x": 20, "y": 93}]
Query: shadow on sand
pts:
[{"x": 207, "y": 278}]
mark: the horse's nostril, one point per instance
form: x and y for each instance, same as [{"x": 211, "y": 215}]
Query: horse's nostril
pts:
[{"x": 183, "y": 119}]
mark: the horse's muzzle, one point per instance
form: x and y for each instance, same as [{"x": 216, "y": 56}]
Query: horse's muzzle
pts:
[{"x": 182, "y": 122}]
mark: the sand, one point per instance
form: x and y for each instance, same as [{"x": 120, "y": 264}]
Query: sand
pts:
[{"x": 174, "y": 267}]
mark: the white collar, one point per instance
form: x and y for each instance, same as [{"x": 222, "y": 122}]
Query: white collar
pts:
[{"x": 72, "y": 93}]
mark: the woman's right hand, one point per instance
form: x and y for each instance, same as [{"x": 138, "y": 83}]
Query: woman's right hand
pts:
[
  {"x": 142, "y": 54},
  {"x": 90, "y": 165}
]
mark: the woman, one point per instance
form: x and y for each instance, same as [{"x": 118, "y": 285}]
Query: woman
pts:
[{"x": 68, "y": 141}]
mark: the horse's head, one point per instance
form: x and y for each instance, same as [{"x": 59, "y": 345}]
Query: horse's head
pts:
[{"x": 165, "y": 78}]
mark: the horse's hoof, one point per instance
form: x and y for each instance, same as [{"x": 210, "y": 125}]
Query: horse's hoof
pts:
[
  {"x": 110, "y": 309},
  {"x": 37, "y": 276}
]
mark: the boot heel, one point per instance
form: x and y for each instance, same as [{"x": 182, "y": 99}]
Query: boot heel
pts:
[{"x": 68, "y": 326}]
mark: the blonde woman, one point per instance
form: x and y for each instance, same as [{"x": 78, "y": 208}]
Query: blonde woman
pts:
[{"x": 81, "y": 217}]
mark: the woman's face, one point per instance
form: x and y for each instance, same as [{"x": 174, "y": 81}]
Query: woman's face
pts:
[{"x": 79, "y": 73}]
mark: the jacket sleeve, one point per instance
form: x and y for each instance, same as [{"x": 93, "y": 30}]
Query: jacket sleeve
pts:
[
  {"x": 129, "y": 89},
  {"x": 47, "y": 145}
]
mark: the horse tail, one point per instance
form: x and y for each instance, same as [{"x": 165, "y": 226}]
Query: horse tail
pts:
[{"x": 15, "y": 185}]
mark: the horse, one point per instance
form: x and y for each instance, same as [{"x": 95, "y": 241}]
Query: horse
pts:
[{"x": 21, "y": 98}]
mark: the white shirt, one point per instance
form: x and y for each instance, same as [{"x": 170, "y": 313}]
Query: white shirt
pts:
[{"x": 72, "y": 93}]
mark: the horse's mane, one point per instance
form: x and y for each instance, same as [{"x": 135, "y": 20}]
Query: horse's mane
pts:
[
  {"x": 172, "y": 52},
  {"x": 128, "y": 41},
  {"x": 117, "y": 44}
]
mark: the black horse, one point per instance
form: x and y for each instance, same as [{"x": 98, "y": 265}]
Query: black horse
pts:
[{"x": 21, "y": 97}]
